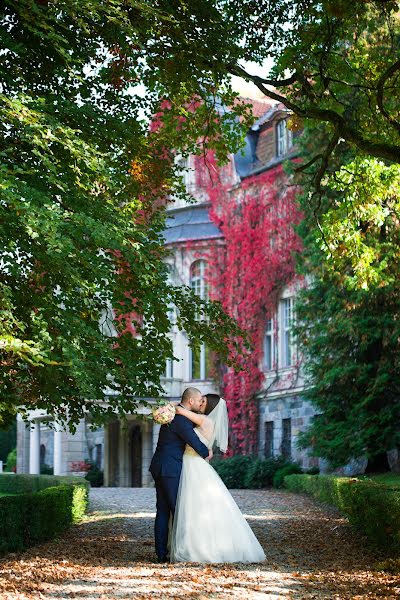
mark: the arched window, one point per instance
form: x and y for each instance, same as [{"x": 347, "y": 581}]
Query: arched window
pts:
[
  {"x": 200, "y": 366},
  {"x": 284, "y": 138},
  {"x": 197, "y": 279}
]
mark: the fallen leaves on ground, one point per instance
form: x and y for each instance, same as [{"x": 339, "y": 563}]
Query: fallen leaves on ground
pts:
[{"x": 311, "y": 553}]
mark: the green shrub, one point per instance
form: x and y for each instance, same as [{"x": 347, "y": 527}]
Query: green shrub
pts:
[
  {"x": 80, "y": 502},
  {"x": 312, "y": 471},
  {"x": 11, "y": 461},
  {"x": 373, "y": 509},
  {"x": 95, "y": 476},
  {"x": 249, "y": 472},
  {"x": 46, "y": 506},
  {"x": 13, "y": 520},
  {"x": 20, "y": 483},
  {"x": 260, "y": 472},
  {"x": 54, "y": 510},
  {"x": 233, "y": 470},
  {"x": 46, "y": 469},
  {"x": 8, "y": 440},
  {"x": 288, "y": 469}
]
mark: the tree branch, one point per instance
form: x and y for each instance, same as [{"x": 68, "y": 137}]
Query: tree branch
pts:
[
  {"x": 308, "y": 164},
  {"x": 274, "y": 82},
  {"x": 346, "y": 131},
  {"x": 325, "y": 160},
  {"x": 380, "y": 90}
]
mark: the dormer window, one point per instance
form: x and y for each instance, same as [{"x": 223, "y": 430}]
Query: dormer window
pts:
[{"x": 284, "y": 138}]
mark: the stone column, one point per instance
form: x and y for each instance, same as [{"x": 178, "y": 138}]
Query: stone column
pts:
[
  {"x": 58, "y": 454},
  {"x": 123, "y": 451},
  {"x": 111, "y": 445},
  {"x": 106, "y": 457},
  {"x": 34, "y": 447},
  {"x": 147, "y": 454},
  {"x": 23, "y": 442}
]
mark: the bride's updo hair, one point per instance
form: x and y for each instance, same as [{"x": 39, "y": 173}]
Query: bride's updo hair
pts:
[{"x": 212, "y": 401}]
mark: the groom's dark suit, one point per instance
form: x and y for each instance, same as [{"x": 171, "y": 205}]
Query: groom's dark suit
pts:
[{"x": 166, "y": 467}]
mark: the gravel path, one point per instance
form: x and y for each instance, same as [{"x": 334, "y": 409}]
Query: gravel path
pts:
[{"x": 311, "y": 553}]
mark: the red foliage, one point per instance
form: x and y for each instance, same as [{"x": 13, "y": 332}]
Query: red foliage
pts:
[
  {"x": 248, "y": 273},
  {"x": 79, "y": 466}
]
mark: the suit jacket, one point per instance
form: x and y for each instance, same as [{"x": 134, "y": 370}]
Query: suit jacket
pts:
[{"x": 167, "y": 459}]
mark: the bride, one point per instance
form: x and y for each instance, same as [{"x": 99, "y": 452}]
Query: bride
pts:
[{"x": 208, "y": 526}]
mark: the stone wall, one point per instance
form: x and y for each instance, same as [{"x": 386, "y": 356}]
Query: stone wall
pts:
[
  {"x": 22, "y": 446},
  {"x": 278, "y": 410}
]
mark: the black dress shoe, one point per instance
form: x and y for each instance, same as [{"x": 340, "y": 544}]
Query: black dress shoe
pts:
[{"x": 161, "y": 559}]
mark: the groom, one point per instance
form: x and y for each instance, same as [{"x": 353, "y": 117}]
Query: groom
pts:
[{"x": 166, "y": 466}]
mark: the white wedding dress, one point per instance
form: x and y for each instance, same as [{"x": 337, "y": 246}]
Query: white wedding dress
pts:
[{"x": 208, "y": 526}]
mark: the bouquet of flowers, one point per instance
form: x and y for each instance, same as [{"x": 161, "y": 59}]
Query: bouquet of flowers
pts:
[{"x": 164, "y": 414}]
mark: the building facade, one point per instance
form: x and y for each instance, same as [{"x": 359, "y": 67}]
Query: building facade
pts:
[{"x": 123, "y": 448}]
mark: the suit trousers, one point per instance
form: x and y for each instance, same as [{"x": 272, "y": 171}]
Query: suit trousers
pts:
[{"x": 167, "y": 491}]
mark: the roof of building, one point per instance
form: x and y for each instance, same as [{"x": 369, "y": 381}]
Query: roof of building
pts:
[
  {"x": 266, "y": 116},
  {"x": 192, "y": 222},
  {"x": 249, "y": 160},
  {"x": 259, "y": 106}
]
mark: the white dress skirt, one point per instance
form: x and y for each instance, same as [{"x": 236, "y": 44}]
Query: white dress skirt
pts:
[{"x": 208, "y": 526}]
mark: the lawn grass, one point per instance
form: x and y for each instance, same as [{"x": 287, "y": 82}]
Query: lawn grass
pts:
[{"x": 392, "y": 479}]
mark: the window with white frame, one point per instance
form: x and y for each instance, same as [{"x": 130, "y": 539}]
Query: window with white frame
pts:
[
  {"x": 199, "y": 355},
  {"x": 284, "y": 138},
  {"x": 200, "y": 362},
  {"x": 171, "y": 314},
  {"x": 197, "y": 279},
  {"x": 169, "y": 368},
  {"x": 286, "y": 337},
  {"x": 184, "y": 171},
  {"x": 171, "y": 280},
  {"x": 269, "y": 345}
]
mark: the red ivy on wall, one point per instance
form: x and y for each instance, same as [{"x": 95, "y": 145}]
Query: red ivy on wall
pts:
[{"x": 248, "y": 272}]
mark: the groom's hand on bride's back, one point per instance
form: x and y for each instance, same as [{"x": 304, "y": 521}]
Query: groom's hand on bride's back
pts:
[{"x": 210, "y": 455}]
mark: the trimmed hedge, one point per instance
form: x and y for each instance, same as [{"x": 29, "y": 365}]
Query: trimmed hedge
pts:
[
  {"x": 41, "y": 512},
  {"x": 20, "y": 483},
  {"x": 372, "y": 508}
]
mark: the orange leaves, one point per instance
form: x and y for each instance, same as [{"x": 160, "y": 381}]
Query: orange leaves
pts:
[
  {"x": 311, "y": 553},
  {"x": 137, "y": 171},
  {"x": 295, "y": 123}
]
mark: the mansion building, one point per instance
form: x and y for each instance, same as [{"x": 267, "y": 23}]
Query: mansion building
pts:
[{"x": 123, "y": 449}]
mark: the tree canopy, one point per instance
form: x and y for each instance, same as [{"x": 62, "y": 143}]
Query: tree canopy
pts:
[
  {"x": 347, "y": 317},
  {"x": 85, "y": 179},
  {"x": 84, "y": 182},
  {"x": 334, "y": 62}
]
